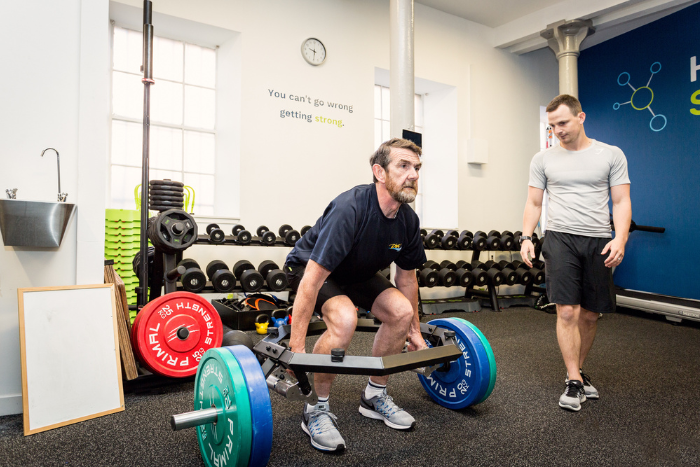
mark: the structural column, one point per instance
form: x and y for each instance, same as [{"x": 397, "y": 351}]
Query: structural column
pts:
[
  {"x": 402, "y": 68},
  {"x": 564, "y": 38}
]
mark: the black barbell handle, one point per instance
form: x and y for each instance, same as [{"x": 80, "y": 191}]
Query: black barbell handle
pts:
[
  {"x": 175, "y": 273},
  {"x": 647, "y": 228}
]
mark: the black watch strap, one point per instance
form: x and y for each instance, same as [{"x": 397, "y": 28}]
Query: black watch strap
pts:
[{"x": 523, "y": 238}]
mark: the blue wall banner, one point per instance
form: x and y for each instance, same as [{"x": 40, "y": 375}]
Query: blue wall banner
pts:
[{"x": 641, "y": 92}]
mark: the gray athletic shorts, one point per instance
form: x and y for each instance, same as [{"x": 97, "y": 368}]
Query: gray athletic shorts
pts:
[
  {"x": 576, "y": 273},
  {"x": 362, "y": 294}
]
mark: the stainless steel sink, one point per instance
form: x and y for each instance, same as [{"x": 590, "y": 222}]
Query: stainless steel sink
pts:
[{"x": 34, "y": 223}]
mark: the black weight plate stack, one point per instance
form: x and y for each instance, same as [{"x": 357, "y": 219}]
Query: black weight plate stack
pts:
[
  {"x": 172, "y": 231},
  {"x": 447, "y": 277},
  {"x": 165, "y": 194},
  {"x": 220, "y": 276},
  {"x": 428, "y": 277},
  {"x": 261, "y": 230},
  {"x": 291, "y": 237},
  {"x": 275, "y": 278}
]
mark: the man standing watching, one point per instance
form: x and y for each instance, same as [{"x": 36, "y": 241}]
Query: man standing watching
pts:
[
  {"x": 334, "y": 267},
  {"x": 580, "y": 176}
]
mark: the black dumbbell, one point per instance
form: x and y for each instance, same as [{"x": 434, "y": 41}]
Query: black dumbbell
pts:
[
  {"x": 423, "y": 233},
  {"x": 447, "y": 277},
  {"x": 432, "y": 265},
  {"x": 216, "y": 235},
  {"x": 448, "y": 264},
  {"x": 507, "y": 240},
  {"x": 464, "y": 277},
  {"x": 493, "y": 240},
  {"x": 432, "y": 240},
  {"x": 289, "y": 235},
  {"x": 240, "y": 235},
  {"x": 304, "y": 229},
  {"x": 464, "y": 241},
  {"x": 448, "y": 240},
  {"x": 508, "y": 270},
  {"x": 479, "y": 276},
  {"x": 495, "y": 275},
  {"x": 251, "y": 280},
  {"x": 266, "y": 236},
  {"x": 427, "y": 277},
  {"x": 537, "y": 275},
  {"x": 221, "y": 276},
  {"x": 193, "y": 280},
  {"x": 275, "y": 278}
]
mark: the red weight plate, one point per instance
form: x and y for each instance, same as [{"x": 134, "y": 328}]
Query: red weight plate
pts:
[{"x": 174, "y": 331}]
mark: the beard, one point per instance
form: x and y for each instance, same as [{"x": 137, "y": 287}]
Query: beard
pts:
[{"x": 405, "y": 193}]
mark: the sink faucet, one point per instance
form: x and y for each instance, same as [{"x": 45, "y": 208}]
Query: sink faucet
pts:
[{"x": 61, "y": 196}]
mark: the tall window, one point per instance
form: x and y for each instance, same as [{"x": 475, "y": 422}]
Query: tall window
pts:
[
  {"x": 183, "y": 118},
  {"x": 382, "y": 122}
]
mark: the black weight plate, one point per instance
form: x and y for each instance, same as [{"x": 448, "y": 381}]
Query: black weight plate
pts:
[
  {"x": 243, "y": 237},
  {"x": 165, "y": 182},
  {"x": 193, "y": 280},
  {"x": 214, "y": 266},
  {"x": 173, "y": 199},
  {"x": 241, "y": 266},
  {"x": 428, "y": 277},
  {"x": 537, "y": 276},
  {"x": 166, "y": 191},
  {"x": 505, "y": 264},
  {"x": 460, "y": 264},
  {"x": 291, "y": 237},
  {"x": 423, "y": 232},
  {"x": 480, "y": 277},
  {"x": 524, "y": 276},
  {"x": 467, "y": 233},
  {"x": 284, "y": 228},
  {"x": 261, "y": 230},
  {"x": 211, "y": 227},
  {"x": 507, "y": 233},
  {"x": 506, "y": 242},
  {"x": 479, "y": 233},
  {"x": 267, "y": 266},
  {"x": 268, "y": 238},
  {"x": 464, "y": 242},
  {"x": 517, "y": 233},
  {"x": 438, "y": 232},
  {"x": 497, "y": 277},
  {"x": 454, "y": 233},
  {"x": 172, "y": 204},
  {"x": 251, "y": 280},
  {"x": 432, "y": 265},
  {"x": 276, "y": 280},
  {"x": 494, "y": 233},
  {"x": 493, "y": 243},
  {"x": 223, "y": 280},
  {"x": 431, "y": 241},
  {"x": 491, "y": 264},
  {"x": 189, "y": 263},
  {"x": 511, "y": 277},
  {"x": 217, "y": 236},
  {"x": 448, "y": 242},
  {"x": 237, "y": 228},
  {"x": 305, "y": 229},
  {"x": 448, "y": 264}
]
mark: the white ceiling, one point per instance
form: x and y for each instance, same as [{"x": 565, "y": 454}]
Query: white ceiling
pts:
[
  {"x": 491, "y": 13},
  {"x": 517, "y": 24}
]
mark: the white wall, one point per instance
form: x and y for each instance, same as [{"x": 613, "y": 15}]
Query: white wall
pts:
[{"x": 290, "y": 169}]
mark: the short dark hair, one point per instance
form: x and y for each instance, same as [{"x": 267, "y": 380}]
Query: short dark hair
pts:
[
  {"x": 382, "y": 156},
  {"x": 565, "y": 99}
]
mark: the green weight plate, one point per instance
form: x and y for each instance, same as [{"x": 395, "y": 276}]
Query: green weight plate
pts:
[
  {"x": 220, "y": 383},
  {"x": 489, "y": 354}
]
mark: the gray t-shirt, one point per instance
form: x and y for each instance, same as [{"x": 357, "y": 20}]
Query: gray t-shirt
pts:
[{"x": 578, "y": 183}]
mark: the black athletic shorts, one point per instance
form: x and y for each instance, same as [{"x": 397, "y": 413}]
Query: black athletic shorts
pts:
[
  {"x": 362, "y": 294},
  {"x": 576, "y": 273}
]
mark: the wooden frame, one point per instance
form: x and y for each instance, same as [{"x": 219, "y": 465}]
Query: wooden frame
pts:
[{"x": 24, "y": 355}]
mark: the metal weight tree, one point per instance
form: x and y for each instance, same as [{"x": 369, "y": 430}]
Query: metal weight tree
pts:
[{"x": 147, "y": 68}]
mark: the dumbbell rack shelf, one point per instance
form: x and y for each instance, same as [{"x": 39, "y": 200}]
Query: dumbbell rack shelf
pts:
[
  {"x": 231, "y": 241},
  {"x": 209, "y": 288}
]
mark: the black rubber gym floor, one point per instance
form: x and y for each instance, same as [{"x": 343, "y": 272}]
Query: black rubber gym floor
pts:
[{"x": 645, "y": 368}]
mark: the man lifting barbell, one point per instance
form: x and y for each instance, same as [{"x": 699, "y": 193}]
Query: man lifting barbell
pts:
[{"x": 333, "y": 268}]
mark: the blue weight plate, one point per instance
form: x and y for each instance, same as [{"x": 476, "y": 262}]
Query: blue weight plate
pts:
[
  {"x": 492, "y": 359},
  {"x": 467, "y": 379},
  {"x": 260, "y": 407}
]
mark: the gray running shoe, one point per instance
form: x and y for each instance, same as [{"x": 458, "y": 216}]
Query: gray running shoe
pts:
[
  {"x": 573, "y": 396},
  {"x": 382, "y": 407},
  {"x": 590, "y": 391},
  {"x": 322, "y": 429}
]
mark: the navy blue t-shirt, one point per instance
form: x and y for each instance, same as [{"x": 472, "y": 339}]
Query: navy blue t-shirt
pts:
[{"x": 354, "y": 239}]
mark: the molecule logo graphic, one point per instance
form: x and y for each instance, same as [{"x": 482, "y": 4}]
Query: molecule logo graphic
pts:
[{"x": 642, "y": 97}]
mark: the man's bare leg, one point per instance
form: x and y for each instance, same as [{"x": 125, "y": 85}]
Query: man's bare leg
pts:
[
  {"x": 587, "y": 325},
  {"x": 569, "y": 337}
]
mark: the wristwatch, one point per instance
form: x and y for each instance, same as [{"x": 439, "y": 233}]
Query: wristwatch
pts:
[{"x": 523, "y": 238}]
